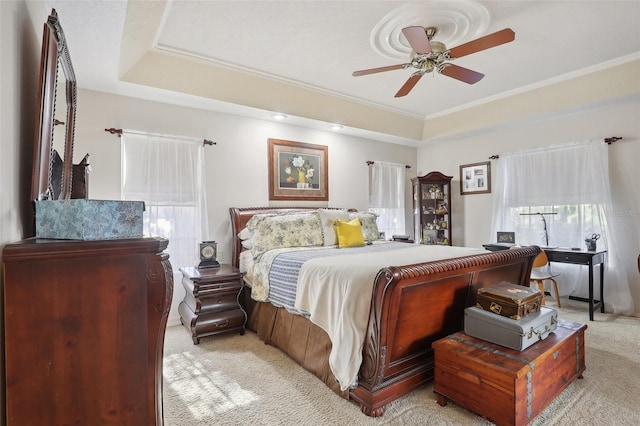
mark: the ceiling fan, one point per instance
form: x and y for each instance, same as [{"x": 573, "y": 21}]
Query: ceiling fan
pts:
[{"x": 429, "y": 55}]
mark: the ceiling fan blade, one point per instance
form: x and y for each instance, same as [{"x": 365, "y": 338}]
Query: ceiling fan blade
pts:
[
  {"x": 417, "y": 38},
  {"x": 460, "y": 73},
  {"x": 408, "y": 85},
  {"x": 492, "y": 40},
  {"x": 380, "y": 69}
]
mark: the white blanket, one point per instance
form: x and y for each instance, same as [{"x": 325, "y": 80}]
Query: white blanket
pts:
[{"x": 337, "y": 292}]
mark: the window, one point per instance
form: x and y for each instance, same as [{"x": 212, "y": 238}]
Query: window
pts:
[
  {"x": 571, "y": 183},
  {"x": 386, "y": 198},
  {"x": 167, "y": 173},
  {"x": 566, "y": 225}
]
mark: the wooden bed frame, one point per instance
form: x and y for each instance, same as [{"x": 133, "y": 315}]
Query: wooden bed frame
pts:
[{"x": 412, "y": 306}]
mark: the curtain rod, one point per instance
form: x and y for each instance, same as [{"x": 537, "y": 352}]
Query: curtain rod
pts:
[
  {"x": 608, "y": 141},
  {"x": 119, "y": 132},
  {"x": 406, "y": 166},
  {"x": 611, "y": 140}
]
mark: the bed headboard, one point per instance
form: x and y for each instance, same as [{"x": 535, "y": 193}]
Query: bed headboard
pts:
[{"x": 241, "y": 215}]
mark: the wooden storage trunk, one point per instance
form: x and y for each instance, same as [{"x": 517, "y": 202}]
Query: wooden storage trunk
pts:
[
  {"x": 506, "y": 386},
  {"x": 509, "y": 300}
]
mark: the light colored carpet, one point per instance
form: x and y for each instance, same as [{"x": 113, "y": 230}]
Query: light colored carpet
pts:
[{"x": 238, "y": 380}]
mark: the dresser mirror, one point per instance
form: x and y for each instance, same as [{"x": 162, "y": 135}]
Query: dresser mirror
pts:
[{"x": 55, "y": 122}]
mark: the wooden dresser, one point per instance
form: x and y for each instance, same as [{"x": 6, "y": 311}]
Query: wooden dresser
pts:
[
  {"x": 211, "y": 303},
  {"x": 84, "y": 325}
]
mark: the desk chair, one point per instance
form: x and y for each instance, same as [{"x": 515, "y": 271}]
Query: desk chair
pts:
[{"x": 540, "y": 272}]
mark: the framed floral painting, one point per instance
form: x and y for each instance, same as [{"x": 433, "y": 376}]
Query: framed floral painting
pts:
[{"x": 298, "y": 171}]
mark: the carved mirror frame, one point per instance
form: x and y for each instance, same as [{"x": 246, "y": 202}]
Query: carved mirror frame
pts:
[{"x": 55, "y": 64}]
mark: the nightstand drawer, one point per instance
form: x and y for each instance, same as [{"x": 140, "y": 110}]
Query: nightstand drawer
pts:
[
  {"x": 216, "y": 323},
  {"x": 207, "y": 289},
  {"x": 220, "y": 301}
]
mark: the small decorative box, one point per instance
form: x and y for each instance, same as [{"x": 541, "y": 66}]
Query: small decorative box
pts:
[{"x": 82, "y": 219}]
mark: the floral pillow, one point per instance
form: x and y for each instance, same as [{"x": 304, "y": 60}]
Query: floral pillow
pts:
[
  {"x": 369, "y": 224},
  {"x": 290, "y": 230},
  {"x": 252, "y": 224}
]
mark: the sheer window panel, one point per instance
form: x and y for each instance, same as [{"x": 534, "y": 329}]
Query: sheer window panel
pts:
[
  {"x": 387, "y": 195},
  {"x": 167, "y": 173},
  {"x": 572, "y": 181}
]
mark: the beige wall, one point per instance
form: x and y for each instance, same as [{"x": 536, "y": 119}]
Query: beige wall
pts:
[
  {"x": 20, "y": 53},
  {"x": 473, "y": 213},
  {"x": 236, "y": 168},
  {"x": 19, "y": 64}
]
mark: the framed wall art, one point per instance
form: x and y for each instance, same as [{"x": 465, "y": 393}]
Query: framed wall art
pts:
[
  {"x": 298, "y": 171},
  {"x": 506, "y": 237},
  {"x": 475, "y": 178}
]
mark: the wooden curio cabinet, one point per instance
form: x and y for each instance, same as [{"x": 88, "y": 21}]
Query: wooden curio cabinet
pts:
[{"x": 432, "y": 208}]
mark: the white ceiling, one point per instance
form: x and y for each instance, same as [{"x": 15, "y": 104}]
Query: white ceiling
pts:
[{"x": 316, "y": 45}]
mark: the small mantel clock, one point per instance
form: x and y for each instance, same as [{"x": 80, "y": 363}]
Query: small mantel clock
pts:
[{"x": 208, "y": 254}]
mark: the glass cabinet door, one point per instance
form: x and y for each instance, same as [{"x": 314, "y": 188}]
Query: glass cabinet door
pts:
[{"x": 432, "y": 209}]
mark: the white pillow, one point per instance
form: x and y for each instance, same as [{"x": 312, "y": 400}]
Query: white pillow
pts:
[
  {"x": 245, "y": 234},
  {"x": 327, "y": 219}
]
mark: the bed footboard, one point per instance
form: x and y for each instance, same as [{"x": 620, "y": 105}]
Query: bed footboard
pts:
[{"x": 415, "y": 305}]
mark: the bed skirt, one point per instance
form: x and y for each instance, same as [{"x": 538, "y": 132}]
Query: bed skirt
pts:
[{"x": 303, "y": 341}]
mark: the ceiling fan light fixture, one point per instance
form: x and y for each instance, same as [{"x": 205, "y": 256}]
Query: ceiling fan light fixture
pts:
[
  {"x": 428, "y": 55},
  {"x": 430, "y": 32},
  {"x": 437, "y": 47}
]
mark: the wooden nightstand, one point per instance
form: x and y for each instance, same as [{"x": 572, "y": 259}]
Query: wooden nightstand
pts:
[{"x": 211, "y": 305}]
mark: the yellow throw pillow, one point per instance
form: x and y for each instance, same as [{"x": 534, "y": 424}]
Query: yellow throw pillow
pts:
[{"x": 349, "y": 233}]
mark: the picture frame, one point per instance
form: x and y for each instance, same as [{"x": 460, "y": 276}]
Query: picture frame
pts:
[
  {"x": 298, "y": 171},
  {"x": 506, "y": 237},
  {"x": 475, "y": 178}
]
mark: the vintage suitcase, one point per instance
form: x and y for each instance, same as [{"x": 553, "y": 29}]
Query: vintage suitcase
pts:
[
  {"x": 503, "y": 331},
  {"x": 505, "y": 386},
  {"x": 509, "y": 300}
]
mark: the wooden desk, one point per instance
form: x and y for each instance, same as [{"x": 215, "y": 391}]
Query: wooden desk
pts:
[
  {"x": 576, "y": 257},
  {"x": 583, "y": 257}
]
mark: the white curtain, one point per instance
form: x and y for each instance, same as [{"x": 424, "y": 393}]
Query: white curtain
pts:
[
  {"x": 167, "y": 173},
  {"x": 386, "y": 196},
  {"x": 570, "y": 183}
]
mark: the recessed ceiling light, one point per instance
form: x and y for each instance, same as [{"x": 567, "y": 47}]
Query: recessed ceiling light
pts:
[
  {"x": 278, "y": 116},
  {"x": 336, "y": 127}
]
